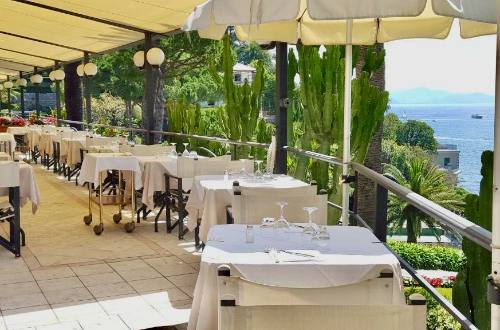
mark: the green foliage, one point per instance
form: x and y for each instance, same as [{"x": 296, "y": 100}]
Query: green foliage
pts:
[
  {"x": 417, "y": 133},
  {"x": 240, "y": 113},
  {"x": 397, "y": 155},
  {"x": 424, "y": 178},
  {"x": 430, "y": 257},
  {"x": 392, "y": 124},
  {"x": 471, "y": 287},
  {"x": 248, "y": 52},
  {"x": 437, "y": 317}
]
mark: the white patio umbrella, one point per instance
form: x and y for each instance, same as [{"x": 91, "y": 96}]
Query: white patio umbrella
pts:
[
  {"x": 349, "y": 22},
  {"x": 360, "y": 22}
]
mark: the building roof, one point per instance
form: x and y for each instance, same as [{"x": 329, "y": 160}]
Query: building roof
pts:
[{"x": 243, "y": 67}]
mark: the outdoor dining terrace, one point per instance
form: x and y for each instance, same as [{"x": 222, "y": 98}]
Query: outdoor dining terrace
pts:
[
  {"x": 93, "y": 275},
  {"x": 126, "y": 205}
]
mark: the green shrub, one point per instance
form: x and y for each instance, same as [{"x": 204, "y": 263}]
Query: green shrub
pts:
[
  {"x": 429, "y": 256},
  {"x": 437, "y": 317}
]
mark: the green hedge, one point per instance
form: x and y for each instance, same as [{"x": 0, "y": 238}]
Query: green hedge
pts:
[{"x": 429, "y": 256}]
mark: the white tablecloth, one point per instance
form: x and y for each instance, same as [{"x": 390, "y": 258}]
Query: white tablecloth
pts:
[
  {"x": 94, "y": 163},
  {"x": 353, "y": 255},
  {"x": 28, "y": 188},
  {"x": 18, "y": 130},
  {"x": 34, "y": 136},
  {"x": 45, "y": 145},
  {"x": 8, "y": 137},
  {"x": 154, "y": 168},
  {"x": 4, "y": 156},
  {"x": 210, "y": 195},
  {"x": 72, "y": 149}
]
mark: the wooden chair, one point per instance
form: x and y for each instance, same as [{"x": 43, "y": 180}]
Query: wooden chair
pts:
[{"x": 246, "y": 305}]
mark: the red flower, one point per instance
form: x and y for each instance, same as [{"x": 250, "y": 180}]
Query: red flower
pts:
[
  {"x": 435, "y": 282},
  {"x": 452, "y": 278}
]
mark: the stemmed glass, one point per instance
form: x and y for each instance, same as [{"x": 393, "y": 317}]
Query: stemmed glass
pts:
[
  {"x": 321, "y": 237},
  {"x": 309, "y": 228},
  {"x": 282, "y": 225},
  {"x": 185, "y": 153},
  {"x": 258, "y": 172},
  {"x": 174, "y": 148}
]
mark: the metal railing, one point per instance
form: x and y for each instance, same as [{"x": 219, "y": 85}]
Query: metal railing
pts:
[{"x": 446, "y": 218}]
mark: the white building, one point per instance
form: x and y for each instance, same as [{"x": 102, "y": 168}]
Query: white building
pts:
[
  {"x": 242, "y": 72},
  {"x": 447, "y": 158}
]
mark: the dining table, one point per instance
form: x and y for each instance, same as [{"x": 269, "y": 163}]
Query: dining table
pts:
[
  {"x": 8, "y": 137},
  {"x": 347, "y": 265},
  {"x": 211, "y": 194},
  {"x": 28, "y": 187}
]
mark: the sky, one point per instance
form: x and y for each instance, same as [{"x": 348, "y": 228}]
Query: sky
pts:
[{"x": 453, "y": 64}]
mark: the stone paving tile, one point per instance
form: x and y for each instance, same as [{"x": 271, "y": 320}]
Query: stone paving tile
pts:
[
  {"x": 111, "y": 290},
  {"x": 183, "y": 280},
  {"x": 71, "y": 295},
  {"x": 26, "y": 317},
  {"x": 60, "y": 284},
  {"x": 15, "y": 277},
  {"x": 111, "y": 322},
  {"x": 100, "y": 279},
  {"x": 143, "y": 319},
  {"x": 77, "y": 311},
  {"x": 52, "y": 273},
  {"x": 151, "y": 285},
  {"x": 61, "y": 326},
  {"x": 22, "y": 301},
  {"x": 9, "y": 290},
  {"x": 82, "y": 270},
  {"x": 189, "y": 290},
  {"x": 139, "y": 273}
]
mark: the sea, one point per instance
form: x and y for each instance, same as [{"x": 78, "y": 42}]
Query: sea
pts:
[{"x": 453, "y": 124}]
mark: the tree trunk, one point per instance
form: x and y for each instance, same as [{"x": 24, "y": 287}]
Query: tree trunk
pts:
[
  {"x": 411, "y": 235},
  {"x": 73, "y": 94},
  {"x": 159, "y": 105},
  {"x": 366, "y": 189}
]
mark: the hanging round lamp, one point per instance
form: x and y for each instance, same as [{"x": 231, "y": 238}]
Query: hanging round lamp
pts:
[
  {"x": 90, "y": 69},
  {"x": 139, "y": 59},
  {"x": 79, "y": 70},
  {"x": 8, "y": 84},
  {"x": 36, "y": 79},
  {"x": 21, "y": 82},
  {"x": 155, "y": 56},
  {"x": 59, "y": 75}
]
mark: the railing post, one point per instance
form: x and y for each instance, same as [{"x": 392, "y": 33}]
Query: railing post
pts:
[{"x": 381, "y": 214}]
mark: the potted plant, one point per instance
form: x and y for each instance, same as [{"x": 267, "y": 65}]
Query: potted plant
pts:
[{"x": 4, "y": 124}]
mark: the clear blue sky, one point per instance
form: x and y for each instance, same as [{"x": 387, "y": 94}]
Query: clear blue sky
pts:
[{"x": 453, "y": 64}]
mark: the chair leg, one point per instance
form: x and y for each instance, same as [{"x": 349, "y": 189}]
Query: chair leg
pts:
[{"x": 197, "y": 233}]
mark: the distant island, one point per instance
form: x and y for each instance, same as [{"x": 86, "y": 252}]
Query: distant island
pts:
[{"x": 432, "y": 96}]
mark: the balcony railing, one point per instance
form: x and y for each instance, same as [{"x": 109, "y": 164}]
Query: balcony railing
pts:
[{"x": 444, "y": 217}]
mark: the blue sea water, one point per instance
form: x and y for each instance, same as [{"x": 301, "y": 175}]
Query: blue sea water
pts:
[{"x": 453, "y": 124}]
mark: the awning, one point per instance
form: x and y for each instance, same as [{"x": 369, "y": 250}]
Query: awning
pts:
[{"x": 39, "y": 33}]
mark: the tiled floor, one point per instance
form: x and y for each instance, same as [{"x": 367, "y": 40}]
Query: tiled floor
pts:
[{"x": 69, "y": 278}]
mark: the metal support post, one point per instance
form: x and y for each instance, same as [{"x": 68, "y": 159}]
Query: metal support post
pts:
[{"x": 282, "y": 107}]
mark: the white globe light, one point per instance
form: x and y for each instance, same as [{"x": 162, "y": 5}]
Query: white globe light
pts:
[
  {"x": 90, "y": 69},
  {"x": 139, "y": 59},
  {"x": 79, "y": 70},
  {"x": 52, "y": 76},
  {"x": 8, "y": 84},
  {"x": 155, "y": 56},
  {"x": 21, "y": 82},
  {"x": 59, "y": 74},
  {"x": 1, "y": 87},
  {"x": 36, "y": 79}
]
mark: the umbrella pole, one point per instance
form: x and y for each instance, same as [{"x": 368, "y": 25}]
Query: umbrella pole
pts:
[
  {"x": 495, "y": 267},
  {"x": 346, "y": 158}
]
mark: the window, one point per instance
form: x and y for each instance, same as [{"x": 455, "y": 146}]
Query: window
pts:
[
  {"x": 447, "y": 161},
  {"x": 237, "y": 77}
]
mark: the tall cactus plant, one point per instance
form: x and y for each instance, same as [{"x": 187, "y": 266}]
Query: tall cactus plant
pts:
[
  {"x": 242, "y": 106},
  {"x": 322, "y": 99},
  {"x": 470, "y": 289}
]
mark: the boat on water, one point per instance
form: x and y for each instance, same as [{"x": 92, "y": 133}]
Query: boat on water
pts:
[{"x": 477, "y": 116}]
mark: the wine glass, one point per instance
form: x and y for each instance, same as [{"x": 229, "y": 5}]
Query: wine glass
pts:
[
  {"x": 174, "y": 148},
  {"x": 258, "y": 172},
  {"x": 321, "y": 237},
  {"x": 309, "y": 228},
  {"x": 185, "y": 153},
  {"x": 282, "y": 225}
]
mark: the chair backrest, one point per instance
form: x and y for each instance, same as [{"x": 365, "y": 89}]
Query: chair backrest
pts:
[
  {"x": 210, "y": 166},
  {"x": 241, "y": 164},
  {"x": 150, "y": 150},
  {"x": 271, "y": 155},
  {"x": 9, "y": 174},
  {"x": 251, "y": 205},
  {"x": 247, "y": 305}
]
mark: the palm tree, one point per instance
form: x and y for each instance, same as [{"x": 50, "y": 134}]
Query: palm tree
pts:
[{"x": 422, "y": 177}]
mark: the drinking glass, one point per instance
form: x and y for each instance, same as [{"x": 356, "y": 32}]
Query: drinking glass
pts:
[
  {"x": 309, "y": 228},
  {"x": 258, "y": 172},
  {"x": 174, "y": 149},
  {"x": 185, "y": 153},
  {"x": 321, "y": 237},
  {"x": 282, "y": 225}
]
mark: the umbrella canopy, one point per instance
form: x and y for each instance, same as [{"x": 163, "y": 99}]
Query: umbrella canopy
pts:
[{"x": 323, "y": 22}]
